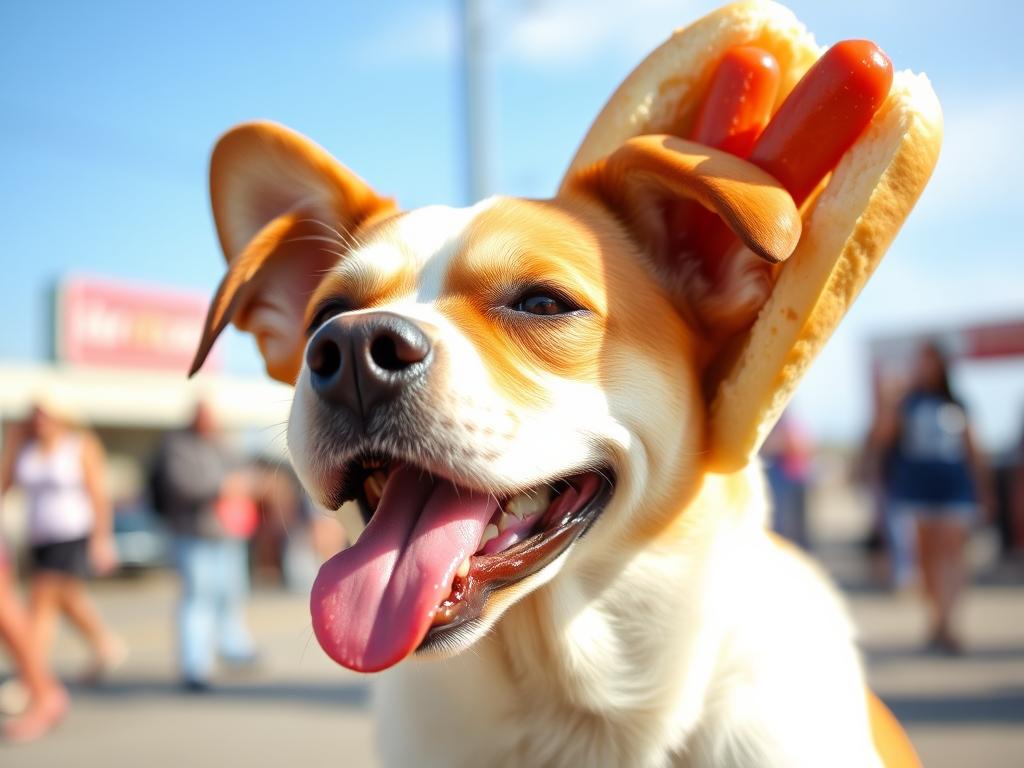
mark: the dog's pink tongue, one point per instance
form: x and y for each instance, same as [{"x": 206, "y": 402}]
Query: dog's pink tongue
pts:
[{"x": 373, "y": 603}]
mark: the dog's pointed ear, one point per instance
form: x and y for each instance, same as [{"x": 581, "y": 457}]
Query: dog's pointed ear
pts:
[
  {"x": 284, "y": 210},
  {"x": 651, "y": 182}
]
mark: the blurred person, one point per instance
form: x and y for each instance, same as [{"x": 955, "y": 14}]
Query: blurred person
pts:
[
  {"x": 295, "y": 536},
  {"x": 787, "y": 457},
  {"x": 1015, "y": 543},
  {"x": 276, "y": 492},
  {"x": 47, "y": 700},
  {"x": 900, "y": 528},
  {"x": 205, "y": 499},
  {"x": 62, "y": 472},
  {"x": 894, "y": 527},
  {"x": 936, "y": 477}
]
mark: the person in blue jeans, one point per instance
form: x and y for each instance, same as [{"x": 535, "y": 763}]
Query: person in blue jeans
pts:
[
  {"x": 936, "y": 477},
  {"x": 198, "y": 490}
]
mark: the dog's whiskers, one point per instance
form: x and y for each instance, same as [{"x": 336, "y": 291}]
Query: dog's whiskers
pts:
[{"x": 344, "y": 237}]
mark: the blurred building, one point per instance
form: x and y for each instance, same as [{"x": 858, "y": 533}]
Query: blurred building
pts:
[{"x": 119, "y": 357}]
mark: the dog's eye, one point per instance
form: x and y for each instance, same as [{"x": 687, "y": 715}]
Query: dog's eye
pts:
[
  {"x": 325, "y": 312},
  {"x": 541, "y": 304}
]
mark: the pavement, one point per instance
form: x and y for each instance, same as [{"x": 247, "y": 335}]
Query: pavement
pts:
[
  {"x": 960, "y": 712},
  {"x": 297, "y": 708}
]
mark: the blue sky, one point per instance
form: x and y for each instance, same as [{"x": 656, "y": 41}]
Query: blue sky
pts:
[{"x": 108, "y": 111}]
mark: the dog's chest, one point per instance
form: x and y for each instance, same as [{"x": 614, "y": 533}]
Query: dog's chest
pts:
[
  {"x": 467, "y": 711},
  {"x": 447, "y": 713}
]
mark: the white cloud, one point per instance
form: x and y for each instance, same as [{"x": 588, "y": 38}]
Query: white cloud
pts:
[
  {"x": 534, "y": 33},
  {"x": 981, "y": 164},
  {"x": 424, "y": 33},
  {"x": 543, "y": 33}
]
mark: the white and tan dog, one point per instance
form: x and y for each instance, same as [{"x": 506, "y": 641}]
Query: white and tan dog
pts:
[{"x": 518, "y": 396}]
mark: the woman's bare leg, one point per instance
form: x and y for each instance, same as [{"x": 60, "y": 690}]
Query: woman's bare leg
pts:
[
  {"x": 106, "y": 648},
  {"x": 951, "y": 540},
  {"x": 47, "y": 698},
  {"x": 928, "y": 562},
  {"x": 80, "y": 609},
  {"x": 44, "y": 610}
]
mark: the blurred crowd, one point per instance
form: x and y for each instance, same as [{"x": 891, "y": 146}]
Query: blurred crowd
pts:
[
  {"x": 930, "y": 486},
  {"x": 215, "y": 518}
]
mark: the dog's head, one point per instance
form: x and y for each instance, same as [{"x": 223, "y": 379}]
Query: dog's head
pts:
[{"x": 489, "y": 383}]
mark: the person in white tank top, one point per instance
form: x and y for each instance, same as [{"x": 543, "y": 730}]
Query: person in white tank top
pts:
[
  {"x": 70, "y": 527},
  {"x": 59, "y": 508}
]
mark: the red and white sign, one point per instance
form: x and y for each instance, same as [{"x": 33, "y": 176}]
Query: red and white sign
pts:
[{"x": 111, "y": 324}]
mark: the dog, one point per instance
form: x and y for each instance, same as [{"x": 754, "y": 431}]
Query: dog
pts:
[{"x": 516, "y": 396}]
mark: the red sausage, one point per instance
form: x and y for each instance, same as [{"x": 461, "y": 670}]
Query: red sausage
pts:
[
  {"x": 820, "y": 119},
  {"x": 739, "y": 101},
  {"x": 735, "y": 109},
  {"x": 823, "y": 115}
]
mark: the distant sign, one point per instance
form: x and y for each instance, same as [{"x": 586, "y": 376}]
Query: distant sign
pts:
[
  {"x": 995, "y": 340},
  {"x": 107, "y": 323}
]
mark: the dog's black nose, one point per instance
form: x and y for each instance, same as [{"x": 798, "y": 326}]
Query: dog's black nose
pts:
[{"x": 359, "y": 361}]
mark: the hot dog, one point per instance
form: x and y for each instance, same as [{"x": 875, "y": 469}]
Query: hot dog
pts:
[{"x": 855, "y": 141}]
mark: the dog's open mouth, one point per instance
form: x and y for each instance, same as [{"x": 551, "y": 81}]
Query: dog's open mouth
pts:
[{"x": 432, "y": 553}]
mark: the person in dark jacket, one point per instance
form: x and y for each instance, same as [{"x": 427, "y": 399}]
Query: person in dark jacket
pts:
[{"x": 197, "y": 488}]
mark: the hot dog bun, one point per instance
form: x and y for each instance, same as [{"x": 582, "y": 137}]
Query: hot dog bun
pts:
[{"x": 847, "y": 227}]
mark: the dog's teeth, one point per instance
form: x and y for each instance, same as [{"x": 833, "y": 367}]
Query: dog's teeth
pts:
[
  {"x": 506, "y": 520},
  {"x": 463, "y": 571},
  {"x": 524, "y": 505},
  {"x": 490, "y": 532}
]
